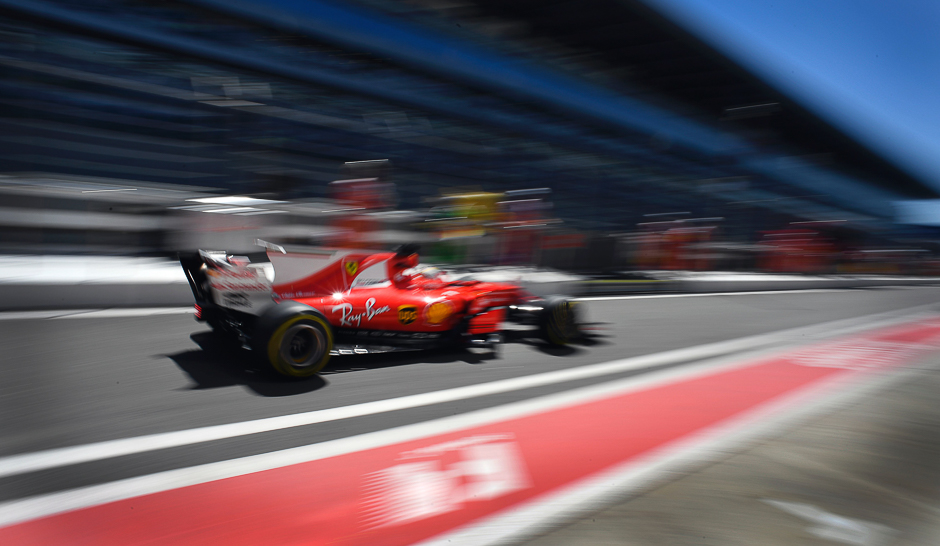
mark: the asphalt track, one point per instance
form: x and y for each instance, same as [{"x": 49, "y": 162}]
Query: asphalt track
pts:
[{"x": 82, "y": 379}]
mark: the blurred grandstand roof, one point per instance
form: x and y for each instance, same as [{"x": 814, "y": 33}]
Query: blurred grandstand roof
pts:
[
  {"x": 616, "y": 110},
  {"x": 629, "y": 46}
]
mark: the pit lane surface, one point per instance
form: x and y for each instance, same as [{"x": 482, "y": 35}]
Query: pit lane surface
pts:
[
  {"x": 73, "y": 381},
  {"x": 865, "y": 474}
]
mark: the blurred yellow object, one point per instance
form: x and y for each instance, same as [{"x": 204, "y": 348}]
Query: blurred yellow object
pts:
[
  {"x": 438, "y": 312},
  {"x": 461, "y": 233},
  {"x": 478, "y": 207}
]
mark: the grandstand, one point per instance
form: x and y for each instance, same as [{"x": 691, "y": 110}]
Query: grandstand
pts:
[{"x": 615, "y": 109}]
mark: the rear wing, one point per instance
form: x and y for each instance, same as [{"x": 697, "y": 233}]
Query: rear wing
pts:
[
  {"x": 249, "y": 283},
  {"x": 237, "y": 282}
]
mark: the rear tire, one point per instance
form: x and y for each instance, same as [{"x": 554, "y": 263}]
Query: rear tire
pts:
[{"x": 294, "y": 339}]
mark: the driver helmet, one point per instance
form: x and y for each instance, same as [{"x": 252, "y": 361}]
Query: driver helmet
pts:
[{"x": 399, "y": 265}]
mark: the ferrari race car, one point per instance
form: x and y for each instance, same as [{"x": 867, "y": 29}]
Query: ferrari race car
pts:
[{"x": 296, "y": 309}]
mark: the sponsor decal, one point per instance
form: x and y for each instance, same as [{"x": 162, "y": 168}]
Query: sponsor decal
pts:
[
  {"x": 348, "y": 318},
  {"x": 352, "y": 268},
  {"x": 438, "y": 312},
  {"x": 236, "y": 299},
  {"x": 369, "y": 283},
  {"x": 301, "y": 294},
  {"x": 248, "y": 280},
  {"x": 233, "y": 273},
  {"x": 407, "y": 314},
  {"x": 443, "y": 478},
  {"x": 251, "y": 287}
]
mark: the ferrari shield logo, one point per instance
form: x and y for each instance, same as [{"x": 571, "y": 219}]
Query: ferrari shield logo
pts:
[
  {"x": 351, "y": 268},
  {"x": 407, "y": 314}
]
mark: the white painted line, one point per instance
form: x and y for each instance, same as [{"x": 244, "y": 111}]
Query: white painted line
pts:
[
  {"x": 139, "y": 312},
  {"x": 65, "y": 456},
  {"x": 94, "y": 313},
  {"x": 711, "y": 294},
  {"x": 18, "y": 511},
  {"x": 149, "y": 311},
  {"x": 830, "y": 526},
  {"x": 32, "y": 315}
]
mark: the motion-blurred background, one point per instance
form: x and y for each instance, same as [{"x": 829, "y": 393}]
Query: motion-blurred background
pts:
[
  {"x": 593, "y": 136},
  {"x": 581, "y": 147}
]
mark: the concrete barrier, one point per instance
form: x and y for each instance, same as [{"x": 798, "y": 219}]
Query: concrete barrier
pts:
[{"x": 757, "y": 283}]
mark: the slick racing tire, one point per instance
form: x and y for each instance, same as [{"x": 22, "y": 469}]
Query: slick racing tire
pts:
[
  {"x": 559, "y": 324},
  {"x": 294, "y": 339}
]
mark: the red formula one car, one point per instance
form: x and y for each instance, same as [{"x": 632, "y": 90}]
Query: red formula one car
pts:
[{"x": 297, "y": 309}]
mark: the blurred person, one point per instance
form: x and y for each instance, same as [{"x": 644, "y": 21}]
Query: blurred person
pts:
[{"x": 368, "y": 193}]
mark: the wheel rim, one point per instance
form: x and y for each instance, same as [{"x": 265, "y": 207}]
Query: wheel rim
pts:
[{"x": 302, "y": 346}]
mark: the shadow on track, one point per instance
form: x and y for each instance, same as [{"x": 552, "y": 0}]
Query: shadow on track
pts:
[
  {"x": 591, "y": 337},
  {"x": 356, "y": 363},
  {"x": 442, "y": 355},
  {"x": 218, "y": 363}
]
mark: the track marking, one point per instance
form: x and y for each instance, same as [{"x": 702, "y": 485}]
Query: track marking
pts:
[
  {"x": 711, "y": 294},
  {"x": 138, "y": 312},
  {"x": 58, "y": 457},
  {"x": 517, "y": 524},
  {"x": 33, "y": 315},
  {"x": 834, "y": 527},
  {"x": 95, "y": 313}
]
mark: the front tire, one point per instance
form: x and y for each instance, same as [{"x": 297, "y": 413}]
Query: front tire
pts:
[{"x": 559, "y": 324}]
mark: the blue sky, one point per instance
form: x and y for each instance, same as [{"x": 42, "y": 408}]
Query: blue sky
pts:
[{"x": 870, "y": 67}]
